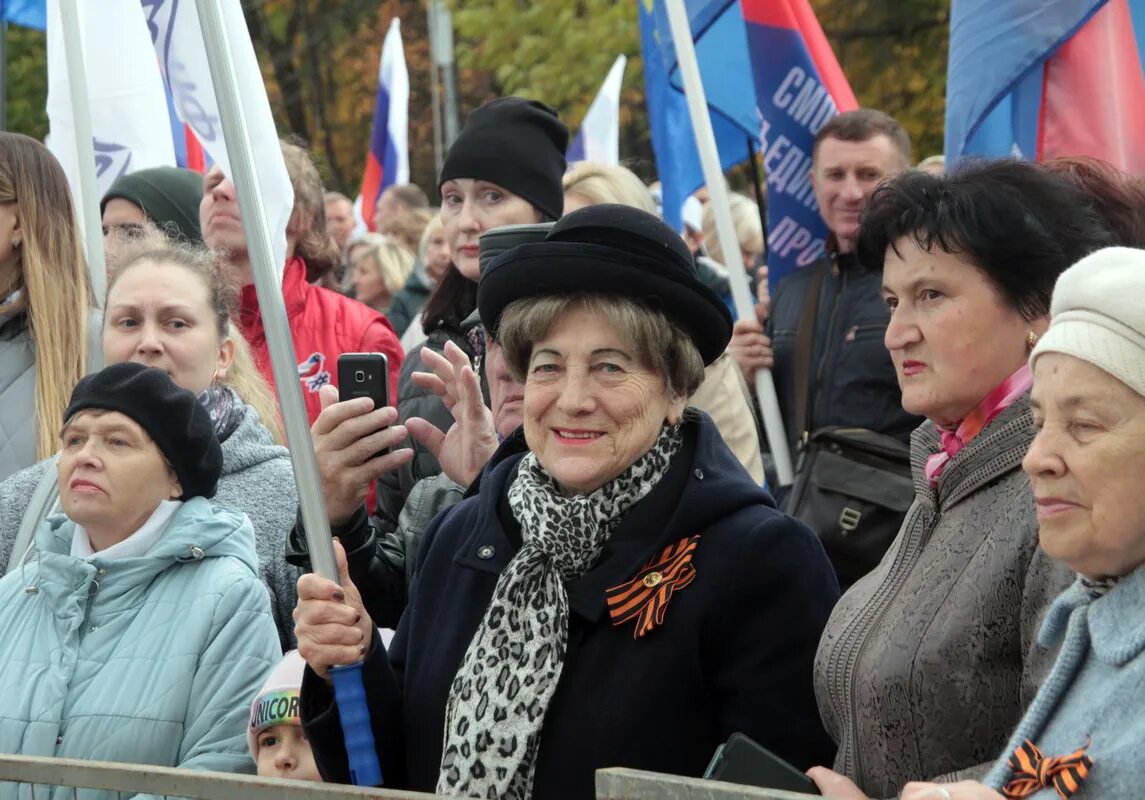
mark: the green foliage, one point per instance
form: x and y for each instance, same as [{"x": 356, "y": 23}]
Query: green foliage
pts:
[
  {"x": 894, "y": 54},
  {"x": 320, "y": 63},
  {"x": 27, "y": 78}
]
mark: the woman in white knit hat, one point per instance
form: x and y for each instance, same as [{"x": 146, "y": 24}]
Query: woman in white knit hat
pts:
[{"x": 1082, "y": 734}]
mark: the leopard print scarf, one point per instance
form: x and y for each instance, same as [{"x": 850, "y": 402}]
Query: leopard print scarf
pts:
[{"x": 498, "y": 699}]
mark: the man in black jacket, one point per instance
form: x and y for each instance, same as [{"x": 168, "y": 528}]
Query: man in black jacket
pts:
[{"x": 852, "y": 380}]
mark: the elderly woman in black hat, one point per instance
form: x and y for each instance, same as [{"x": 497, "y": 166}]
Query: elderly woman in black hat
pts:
[
  {"x": 136, "y": 629},
  {"x": 619, "y": 592}
]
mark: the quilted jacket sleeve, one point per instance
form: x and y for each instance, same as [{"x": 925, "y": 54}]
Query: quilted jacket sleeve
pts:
[{"x": 239, "y": 654}]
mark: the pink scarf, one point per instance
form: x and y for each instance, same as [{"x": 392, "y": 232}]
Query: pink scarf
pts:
[{"x": 991, "y": 406}]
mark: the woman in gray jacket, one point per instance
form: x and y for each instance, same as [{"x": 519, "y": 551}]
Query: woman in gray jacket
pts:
[
  {"x": 928, "y": 662},
  {"x": 168, "y": 306},
  {"x": 1082, "y": 734}
]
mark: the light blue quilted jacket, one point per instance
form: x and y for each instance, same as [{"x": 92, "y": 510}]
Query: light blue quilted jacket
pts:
[{"x": 149, "y": 660}]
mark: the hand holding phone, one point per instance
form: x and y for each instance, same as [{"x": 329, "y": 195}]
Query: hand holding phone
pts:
[{"x": 364, "y": 375}]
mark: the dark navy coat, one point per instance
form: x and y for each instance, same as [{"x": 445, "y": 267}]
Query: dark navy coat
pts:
[
  {"x": 734, "y": 652},
  {"x": 853, "y": 381}
]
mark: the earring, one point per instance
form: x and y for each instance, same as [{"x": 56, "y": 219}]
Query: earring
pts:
[
  {"x": 1031, "y": 340},
  {"x": 15, "y": 244}
]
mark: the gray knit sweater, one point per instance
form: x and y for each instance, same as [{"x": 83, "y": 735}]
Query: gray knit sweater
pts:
[
  {"x": 928, "y": 662},
  {"x": 257, "y": 480}
]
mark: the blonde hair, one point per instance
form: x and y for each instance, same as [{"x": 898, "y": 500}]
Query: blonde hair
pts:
[
  {"x": 745, "y": 219},
  {"x": 249, "y": 384},
  {"x": 606, "y": 183},
  {"x": 54, "y": 281},
  {"x": 390, "y": 260},
  {"x": 316, "y": 247},
  {"x": 243, "y": 376},
  {"x": 434, "y": 226}
]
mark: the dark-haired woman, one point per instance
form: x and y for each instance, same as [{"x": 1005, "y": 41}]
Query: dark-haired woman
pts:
[
  {"x": 927, "y": 663},
  {"x": 504, "y": 169}
]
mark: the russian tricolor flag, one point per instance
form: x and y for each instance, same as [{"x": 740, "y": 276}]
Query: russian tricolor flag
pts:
[
  {"x": 1044, "y": 78},
  {"x": 799, "y": 85},
  {"x": 387, "y": 163}
]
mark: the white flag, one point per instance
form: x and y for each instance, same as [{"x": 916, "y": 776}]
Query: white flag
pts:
[
  {"x": 599, "y": 137},
  {"x": 178, "y": 41},
  {"x": 130, "y": 125}
]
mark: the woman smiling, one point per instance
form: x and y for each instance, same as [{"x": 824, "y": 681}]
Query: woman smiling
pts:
[{"x": 645, "y": 596}]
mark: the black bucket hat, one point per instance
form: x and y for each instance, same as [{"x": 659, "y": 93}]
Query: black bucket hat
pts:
[{"x": 611, "y": 250}]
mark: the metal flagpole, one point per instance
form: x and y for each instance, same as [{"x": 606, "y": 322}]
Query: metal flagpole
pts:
[
  {"x": 258, "y": 238},
  {"x": 88, "y": 211},
  {"x": 713, "y": 175},
  {"x": 348, "y": 687}
]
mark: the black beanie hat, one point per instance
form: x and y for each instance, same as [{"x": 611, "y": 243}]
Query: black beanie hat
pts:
[
  {"x": 172, "y": 416},
  {"x": 169, "y": 196},
  {"x": 517, "y": 144}
]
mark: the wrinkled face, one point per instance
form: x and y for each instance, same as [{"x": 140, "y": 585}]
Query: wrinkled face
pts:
[
  {"x": 112, "y": 475},
  {"x": 468, "y": 209},
  {"x": 369, "y": 288},
  {"x": 591, "y": 408},
  {"x": 219, "y": 215},
  {"x": 953, "y": 338},
  {"x": 340, "y": 221},
  {"x": 506, "y": 396},
  {"x": 1085, "y": 466},
  {"x": 160, "y": 315},
  {"x": 845, "y": 175},
  {"x": 284, "y": 752},
  {"x": 122, "y": 219},
  {"x": 437, "y": 256}
]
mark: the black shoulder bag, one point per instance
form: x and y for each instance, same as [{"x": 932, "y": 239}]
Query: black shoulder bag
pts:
[{"x": 852, "y": 486}]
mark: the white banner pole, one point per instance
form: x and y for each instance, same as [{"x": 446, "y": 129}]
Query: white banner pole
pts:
[
  {"x": 269, "y": 287},
  {"x": 87, "y": 214},
  {"x": 721, "y": 204}
]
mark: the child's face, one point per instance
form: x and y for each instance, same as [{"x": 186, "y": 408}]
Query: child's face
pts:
[{"x": 284, "y": 752}]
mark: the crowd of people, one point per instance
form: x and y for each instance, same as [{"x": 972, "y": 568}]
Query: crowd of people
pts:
[{"x": 561, "y": 545}]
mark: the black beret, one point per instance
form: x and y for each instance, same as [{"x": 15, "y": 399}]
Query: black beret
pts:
[
  {"x": 517, "y": 144},
  {"x": 172, "y": 416},
  {"x": 610, "y": 250}
]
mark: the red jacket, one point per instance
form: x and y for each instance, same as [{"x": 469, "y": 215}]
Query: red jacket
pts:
[{"x": 323, "y": 325}]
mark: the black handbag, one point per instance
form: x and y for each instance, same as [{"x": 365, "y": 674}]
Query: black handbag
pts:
[{"x": 852, "y": 486}]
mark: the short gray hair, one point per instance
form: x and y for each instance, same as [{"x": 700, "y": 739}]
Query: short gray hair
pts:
[{"x": 660, "y": 344}]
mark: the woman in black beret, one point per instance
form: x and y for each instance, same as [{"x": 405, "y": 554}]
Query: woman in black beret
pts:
[
  {"x": 619, "y": 592},
  {"x": 136, "y": 629}
]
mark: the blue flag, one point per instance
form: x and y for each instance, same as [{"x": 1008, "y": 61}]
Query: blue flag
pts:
[
  {"x": 721, "y": 49},
  {"x": 29, "y": 13},
  {"x": 995, "y": 76}
]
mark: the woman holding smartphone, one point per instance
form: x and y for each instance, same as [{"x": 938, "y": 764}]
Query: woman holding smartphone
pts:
[{"x": 504, "y": 169}]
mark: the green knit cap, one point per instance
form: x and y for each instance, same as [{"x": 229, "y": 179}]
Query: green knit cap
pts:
[{"x": 169, "y": 196}]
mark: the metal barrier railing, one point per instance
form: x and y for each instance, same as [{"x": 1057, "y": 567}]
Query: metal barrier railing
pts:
[
  {"x": 125, "y": 780},
  {"x": 632, "y": 784}
]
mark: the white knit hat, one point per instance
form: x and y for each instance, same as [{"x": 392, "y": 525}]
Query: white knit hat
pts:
[
  {"x": 277, "y": 701},
  {"x": 1098, "y": 315}
]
